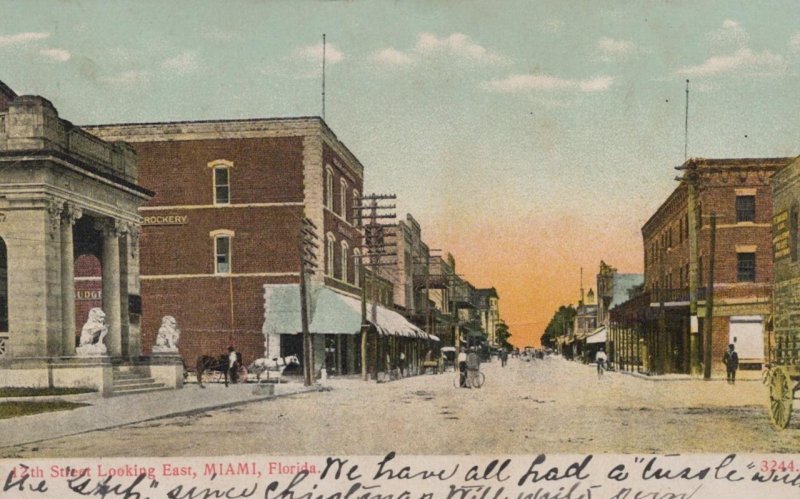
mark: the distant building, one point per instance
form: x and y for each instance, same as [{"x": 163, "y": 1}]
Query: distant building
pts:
[{"x": 489, "y": 313}]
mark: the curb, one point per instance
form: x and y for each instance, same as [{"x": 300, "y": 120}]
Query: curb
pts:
[{"x": 181, "y": 413}]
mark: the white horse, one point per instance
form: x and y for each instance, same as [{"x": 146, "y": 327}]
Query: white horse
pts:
[{"x": 278, "y": 364}]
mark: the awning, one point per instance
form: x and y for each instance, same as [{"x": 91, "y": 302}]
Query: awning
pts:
[
  {"x": 330, "y": 312},
  {"x": 597, "y": 336}
]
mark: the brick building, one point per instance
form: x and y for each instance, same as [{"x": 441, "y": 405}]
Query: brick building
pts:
[
  {"x": 220, "y": 239},
  {"x": 738, "y": 192}
]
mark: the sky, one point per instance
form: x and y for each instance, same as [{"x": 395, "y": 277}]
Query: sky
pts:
[{"x": 529, "y": 139}]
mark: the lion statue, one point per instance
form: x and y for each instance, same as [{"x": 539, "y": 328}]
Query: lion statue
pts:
[
  {"x": 168, "y": 334},
  {"x": 93, "y": 334}
]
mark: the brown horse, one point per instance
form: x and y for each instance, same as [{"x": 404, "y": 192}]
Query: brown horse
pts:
[{"x": 209, "y": 363}]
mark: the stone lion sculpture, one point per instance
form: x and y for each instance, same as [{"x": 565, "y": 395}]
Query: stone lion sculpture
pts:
[
  {"x": 93, "y": 334},
  {"x": 168, "y": 334}
]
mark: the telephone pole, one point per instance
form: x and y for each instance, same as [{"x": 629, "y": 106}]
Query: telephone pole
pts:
[
  {"x": 308, "y": 262},
  {"x": 709, "y": 319},
  {"x": 378, "y": 250}
]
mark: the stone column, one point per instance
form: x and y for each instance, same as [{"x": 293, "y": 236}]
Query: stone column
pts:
[
  {"x": 111, "y": 285},
  {"x": 68, "y": 217}
]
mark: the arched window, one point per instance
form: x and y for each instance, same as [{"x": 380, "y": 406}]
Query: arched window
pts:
[
  {"x": 3, "y": 287},
  {"x": 330, "y": 254},
  {"x": 222, "y": 250},
  {"x": 344, "y": 257},
  {"x": 357, "y": 267},
  {"x": 329, "y": 188},
  {"x": 343, "y": 198},
  {"x": 221, "y": 180}
]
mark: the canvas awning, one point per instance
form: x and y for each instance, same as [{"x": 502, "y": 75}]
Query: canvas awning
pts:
[
  {"x": 330, "y": 312},
  {"x": 597, "y": 336}
]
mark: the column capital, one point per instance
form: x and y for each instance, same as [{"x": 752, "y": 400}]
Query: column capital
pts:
[
  {"x": 54, "y": 210},
  {"x": 110, "y": 227},
  {"x": 71, "y": 213}
]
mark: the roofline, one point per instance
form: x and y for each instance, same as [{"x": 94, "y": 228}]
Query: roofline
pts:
[
  {"x": 311, "y": 120},
  {"x": 7, "y": 90}
]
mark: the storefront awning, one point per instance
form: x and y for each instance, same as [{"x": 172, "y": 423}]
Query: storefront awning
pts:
[
  {"x": 597, "y": 336},
  {"x": 330, "y": 312}
]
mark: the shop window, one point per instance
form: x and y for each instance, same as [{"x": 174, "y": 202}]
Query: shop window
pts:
[
  {"x": 329, "y": 188},
  {"x": 746, "y": 267},
  {"x": 745, "y": 209}
]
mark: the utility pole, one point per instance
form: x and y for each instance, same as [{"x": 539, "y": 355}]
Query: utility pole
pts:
[
  {"x": 378, "y": 249},
  {"x": 308, "y": 262},
  {"x": 710, "y": 300}
]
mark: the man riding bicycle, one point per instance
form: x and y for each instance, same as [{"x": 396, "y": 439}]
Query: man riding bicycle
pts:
[{"x": 600, "y": 359}]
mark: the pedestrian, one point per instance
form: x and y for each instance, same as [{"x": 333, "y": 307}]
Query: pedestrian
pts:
[
  {"x": 473, "y": 366},
  {"x": 503, "y": 357},
  {"x": 462, "y": 368},
  {"x": 731, "y": 361},
  {"x": 233, "y": 365},
  {"x": 600, "y": 359},
  {"x": 402, "y": 364}
]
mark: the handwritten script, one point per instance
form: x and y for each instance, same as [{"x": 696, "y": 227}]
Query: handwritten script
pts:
[{"x": 407, "y": 477}]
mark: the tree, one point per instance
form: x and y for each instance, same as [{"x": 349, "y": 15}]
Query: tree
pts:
[
  {"x": 560, "y": 324},
  {"x": 503, "y": 335}
]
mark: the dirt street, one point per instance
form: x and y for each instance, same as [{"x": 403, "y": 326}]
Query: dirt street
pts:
[{"x": 550, "y": 405}]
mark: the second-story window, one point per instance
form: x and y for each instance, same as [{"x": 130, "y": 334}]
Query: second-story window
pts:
[
  {"x": 746, "y": 267},
  {"x": 222, "y": 251},
  {"x": 344, "y": 261},
  {"x": 745, "y": 209},
  {"x": 330, "y": 254},
  {"x": 343, "y": 199}
]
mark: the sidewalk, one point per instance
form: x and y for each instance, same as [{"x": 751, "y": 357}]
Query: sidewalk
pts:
[{"x": 104, "y": 413}]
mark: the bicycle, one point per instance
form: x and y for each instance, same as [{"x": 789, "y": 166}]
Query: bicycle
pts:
[
  {"x": 473, "y": 380},
  {"x": 601, "y": 368}
]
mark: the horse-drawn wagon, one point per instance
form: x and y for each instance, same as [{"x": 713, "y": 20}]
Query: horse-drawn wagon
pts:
[{"x": 782, "y": 376}]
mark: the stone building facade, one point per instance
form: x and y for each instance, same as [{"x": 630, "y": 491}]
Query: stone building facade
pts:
[{"x": 66, "y": 196}]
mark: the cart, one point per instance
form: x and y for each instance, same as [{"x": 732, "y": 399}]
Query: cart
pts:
[{"x": 782, "y": 376}]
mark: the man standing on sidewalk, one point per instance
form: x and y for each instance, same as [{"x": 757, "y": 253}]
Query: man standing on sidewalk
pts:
[{"x": 731, "y": 361}]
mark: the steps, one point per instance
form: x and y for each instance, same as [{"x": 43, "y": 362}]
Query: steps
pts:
[{"x": 127, "y": 381}]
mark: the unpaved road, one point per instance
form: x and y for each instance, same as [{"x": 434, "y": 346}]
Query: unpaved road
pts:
[{"x": 550, "y": 405}]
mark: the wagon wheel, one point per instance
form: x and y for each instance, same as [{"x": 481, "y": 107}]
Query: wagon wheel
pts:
[{"x": 781, "y": 396}]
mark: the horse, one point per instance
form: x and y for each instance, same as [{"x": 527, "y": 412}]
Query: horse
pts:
[
  {"x": 219, "y": 364},
  {"x": 279, "y": 364}
]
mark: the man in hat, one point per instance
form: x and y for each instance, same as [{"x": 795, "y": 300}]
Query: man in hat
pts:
[{"x": 731, "y": 361}]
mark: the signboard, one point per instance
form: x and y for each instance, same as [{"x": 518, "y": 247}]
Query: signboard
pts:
[
  {"x": 780, "y": 235},
  {"x": 165, "y": 220}
]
